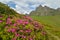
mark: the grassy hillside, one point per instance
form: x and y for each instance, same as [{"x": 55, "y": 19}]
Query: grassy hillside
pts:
[
  {"x": 51, "y": 23},
  {"x": 14, "y": 26},
  {"x": 50, "y": 20}
]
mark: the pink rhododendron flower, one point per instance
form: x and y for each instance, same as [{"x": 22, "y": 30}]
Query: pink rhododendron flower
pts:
[
  {"x": 21, "y": 31},
  {"x": 17, "y": 35},
  {"x": 26, "y": 22},
  {"x": 28, "y": 30},
  {"x": 9, "y": 30},
  {"x": 20, "y": 21},
  {"x": 1, "y": 21},
  {"x": 36, "y": 25},
  {"x": 14, "y": 24},
  {"x": 23, "y": 36},
  {"x": 29, "y": 18},
  {"x": 8, "y": 21},
  {"x": 13, "y": 30}
]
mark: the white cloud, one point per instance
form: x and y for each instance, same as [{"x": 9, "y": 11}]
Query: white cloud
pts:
[{"x": 25, "y": 6}]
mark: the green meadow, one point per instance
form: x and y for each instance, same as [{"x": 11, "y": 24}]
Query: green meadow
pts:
[{"x": 51, "y": 25}]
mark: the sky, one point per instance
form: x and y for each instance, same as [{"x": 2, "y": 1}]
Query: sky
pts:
[{"x": 26, "y": 6}]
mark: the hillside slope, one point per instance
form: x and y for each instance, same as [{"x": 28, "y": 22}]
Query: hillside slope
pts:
[
  {"x": 52, "y": 25},
  {"x": 14, "y": 26}
]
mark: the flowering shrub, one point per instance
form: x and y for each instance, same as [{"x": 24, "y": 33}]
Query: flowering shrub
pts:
[{"x": 24, "y": 28}]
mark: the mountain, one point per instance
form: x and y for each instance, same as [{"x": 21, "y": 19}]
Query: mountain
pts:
[
  {"x": 14, "y": 26},
  {"x": 45, "y": 11}
]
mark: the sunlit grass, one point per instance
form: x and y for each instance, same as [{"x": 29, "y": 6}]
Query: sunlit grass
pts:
[{"x": 51, "y": 23}]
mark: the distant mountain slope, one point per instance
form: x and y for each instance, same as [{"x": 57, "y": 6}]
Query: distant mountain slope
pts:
[{"x": 45, "y": 11}]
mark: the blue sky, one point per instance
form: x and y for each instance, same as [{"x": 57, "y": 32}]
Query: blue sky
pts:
[
  {"x": 11, "y": 4},
  {"x": 26, "y": 6}
]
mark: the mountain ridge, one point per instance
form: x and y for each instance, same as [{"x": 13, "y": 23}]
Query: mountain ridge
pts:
[{"x": 45, "y": 11}]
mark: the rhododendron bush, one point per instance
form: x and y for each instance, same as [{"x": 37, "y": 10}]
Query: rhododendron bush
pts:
[{"x": 23, "y": 28}]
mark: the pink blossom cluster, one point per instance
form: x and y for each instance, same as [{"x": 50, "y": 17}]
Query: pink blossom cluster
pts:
[
  {"x": 8, "y": 21},
  {"x": 18, "y": 28}
]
